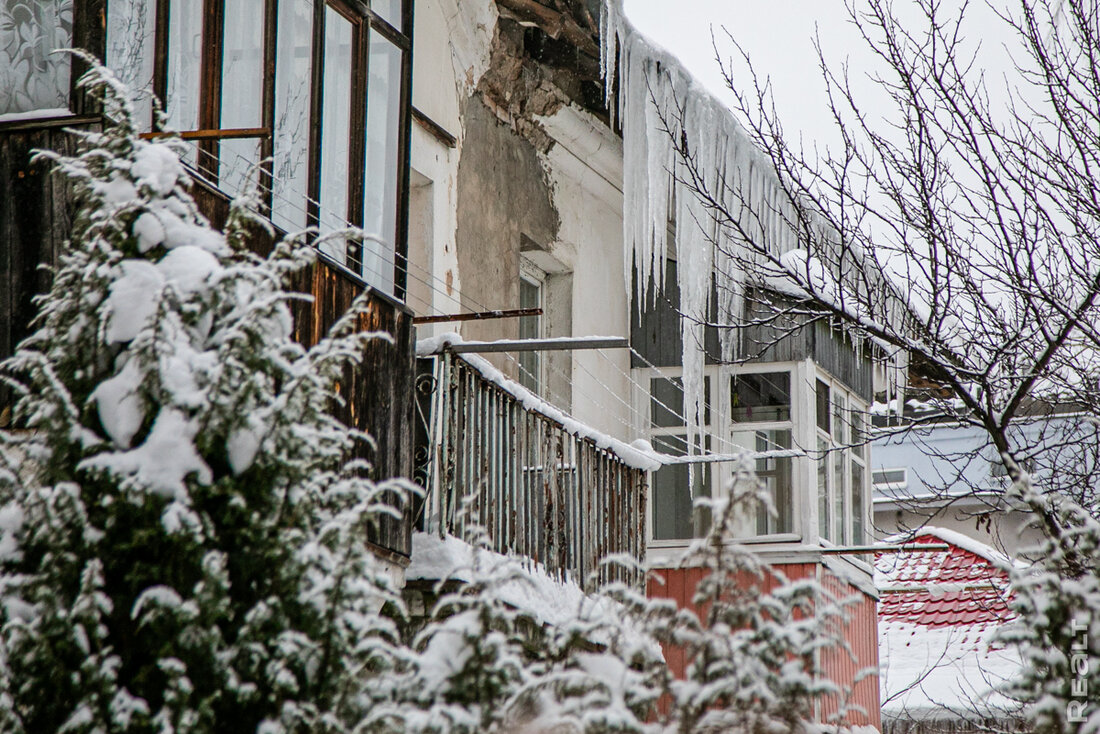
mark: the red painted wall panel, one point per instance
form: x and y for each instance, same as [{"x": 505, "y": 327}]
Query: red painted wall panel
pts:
[{"x": 841, "y": 666}]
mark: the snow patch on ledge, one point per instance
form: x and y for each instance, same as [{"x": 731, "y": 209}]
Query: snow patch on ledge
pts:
[
  {"x": 549, "y": 600},
  {"x": 637, "y": 455},
  {"x": 43, "y": 114}
]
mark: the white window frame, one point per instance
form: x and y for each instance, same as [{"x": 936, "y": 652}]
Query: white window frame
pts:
[
  {"x": 646, "y": 429},
  {"x": 804, "y": 434},
  {"x": 890, "y": 485},
  {"x": 840, "y": 448},
  {"x": 720, "y": 430}
]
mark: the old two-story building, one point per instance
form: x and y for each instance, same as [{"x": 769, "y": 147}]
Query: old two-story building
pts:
[{"x": 524, "y": 227}]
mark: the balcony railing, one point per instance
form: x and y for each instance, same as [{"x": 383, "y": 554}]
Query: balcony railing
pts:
[{"x": 540, "y": 484}]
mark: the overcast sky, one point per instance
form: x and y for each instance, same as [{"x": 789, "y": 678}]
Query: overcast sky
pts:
[{"x": 778, "y": 34}]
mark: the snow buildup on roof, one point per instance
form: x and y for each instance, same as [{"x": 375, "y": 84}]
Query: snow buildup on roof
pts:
[
  {"x": 938, "y": 614},
  {"x": 656, "y": 94}
]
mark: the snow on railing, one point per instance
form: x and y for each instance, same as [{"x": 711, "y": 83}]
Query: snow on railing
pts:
[{"x": 541, "y": 484}]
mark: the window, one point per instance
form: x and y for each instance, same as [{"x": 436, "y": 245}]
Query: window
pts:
[
  {"x": 890, "y": 479},
  {"x": 531, "y": 283},
  {"x": 782, "y": 412},
  {"x": 674, "y": 487},
  {"x": 842, "y": 464},
  {"x": 32, "y": 77},
  {"x": 760, "y": 410},
  {"x": 320, "y": 87}
]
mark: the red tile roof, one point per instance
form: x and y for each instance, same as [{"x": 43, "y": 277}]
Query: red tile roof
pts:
[{"x": 953, "y": 588}]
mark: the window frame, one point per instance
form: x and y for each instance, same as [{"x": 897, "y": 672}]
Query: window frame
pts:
[
  {"x": 804, "y": 433},
  {"x": 840, "y": 449},
  {"x": 710, "y": 479},
  {"x": 209, "y": 134},
  {"x": 534, "y": 276},
  {"x": 718, "y": 431},
  {"x": 889, "y": 484}
]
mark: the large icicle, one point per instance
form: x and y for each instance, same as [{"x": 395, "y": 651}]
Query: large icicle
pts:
[{"x": 658, "y": 103}]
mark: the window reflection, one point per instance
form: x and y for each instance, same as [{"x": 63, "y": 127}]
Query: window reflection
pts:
[
  {"x": 335, "y": 129},
  {"x": 382, "y": 149}
]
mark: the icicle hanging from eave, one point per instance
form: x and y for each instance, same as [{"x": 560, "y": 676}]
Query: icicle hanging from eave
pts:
[{"x": 655, "y": 91}]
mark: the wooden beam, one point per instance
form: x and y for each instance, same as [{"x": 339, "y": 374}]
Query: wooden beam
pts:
[
  {"x": 213, "y": 134},
  {"x": 477, "y": 316},
  {"x": 434, "y": 129}
]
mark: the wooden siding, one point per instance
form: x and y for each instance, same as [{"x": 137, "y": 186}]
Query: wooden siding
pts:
[
  {"x": 35, "y": 219},
  {"x": 655, "y": 334},
  {"x": 861, "y": 632},
  {"x": 379, "y": 394}
]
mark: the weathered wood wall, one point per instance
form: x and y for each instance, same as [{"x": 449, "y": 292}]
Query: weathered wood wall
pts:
[
  {"x": 36, "y": 209},
  {"x": 35, "y": 219},
  {"x": 378, "y": 395},
  {"x": 655, "y": 334}
]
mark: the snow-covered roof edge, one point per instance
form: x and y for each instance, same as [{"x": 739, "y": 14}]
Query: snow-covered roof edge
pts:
[
  {"x": 978, "y": 548},
  {"x": 638, "y": 455},
  {"x": 652, "y": 87}
]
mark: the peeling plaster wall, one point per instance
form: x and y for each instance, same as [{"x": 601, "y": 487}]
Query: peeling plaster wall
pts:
[
  {"x": 531, "y": 177},
  {"x": 503, "y": 198}
]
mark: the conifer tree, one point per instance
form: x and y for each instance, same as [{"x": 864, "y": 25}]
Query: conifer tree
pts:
[{"x": 181, "y": 530}]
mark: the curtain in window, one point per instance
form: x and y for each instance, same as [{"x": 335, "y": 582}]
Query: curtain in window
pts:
[
  {"x": 382, "y": 149},
  {"x": 336, "y": 129},
  {"x": 184, "y": 63},
  {"x": 31, "y": 76}
]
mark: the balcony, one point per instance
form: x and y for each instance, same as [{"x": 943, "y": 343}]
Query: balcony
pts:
[{"x": 541, "y": 485}]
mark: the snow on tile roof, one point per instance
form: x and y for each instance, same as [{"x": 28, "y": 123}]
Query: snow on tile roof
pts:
[{"x": 937, "y": 614}]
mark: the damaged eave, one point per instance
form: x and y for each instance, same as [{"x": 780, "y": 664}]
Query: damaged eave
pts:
[{"x": 555, "y": 23}]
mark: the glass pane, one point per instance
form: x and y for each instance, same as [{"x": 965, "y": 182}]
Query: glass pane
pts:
[
  {"x": 184, "y": 59},
  {"x": 130, "y": 38},
  {"x": 858, "y": 435},
  {"x": 242, "y": 90},
  {"x": 530, "y": 296},
  {"x": 840, "y": 499},
  {"x": 292, "y": 87},
  {"x": 674, "y": 514},
  {"x": 760, "y": 398},
  {"x": 31, "y": 77},
  {"x": 857, "y": 504},
  {"x": 335, "y": 129},
  {"x": 383, "y": 154},
  {"x": 666, "y": 404},
  {"x": 839, "y": 427},
  {"x": 822, "y": 406},
  {"x": 889, "y": 476},
  {"x": 824, "y": 516},
  {"x": 389, "y": 11},
  {"x": 775, "y": 474}
]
